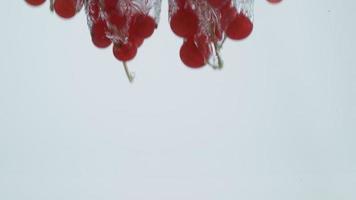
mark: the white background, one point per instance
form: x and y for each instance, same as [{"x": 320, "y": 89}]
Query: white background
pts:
[{"x": 277, "y": 123}]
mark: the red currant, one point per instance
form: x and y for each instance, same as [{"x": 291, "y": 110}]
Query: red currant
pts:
[
  {"x": 240, "y": 28},
  {"x": 228, "y": 13},
  {"x": 65, "y": 8},
  {"x": 137, "y": 41},
  {"x": 184, "y": 23},
  {"x": 124, "y": 52},
  {"x": 35, "y": 2},
  {"x": 142, "y": 26},
  {"x": 117, "y": 19},
  {"x": 274, "y": 1},
  {"x": 191, "y": 55},
  {"x": 98, "y": 34}
]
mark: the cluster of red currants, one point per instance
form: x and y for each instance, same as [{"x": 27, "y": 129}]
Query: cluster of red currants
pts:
[
  {"x": 204, "y": 25},
  {"x": 123, "y": 23}
]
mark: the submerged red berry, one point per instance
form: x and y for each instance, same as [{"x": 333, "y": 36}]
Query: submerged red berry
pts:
[
  {"x": 191, "y": 55},
  {"x": 35, "y": 2},
  {"x": 142, "y": 26},
  {"x": 184, "y": 23},
  {"x": 240, "y": 28},
  {"x": 99, "y": 34},
  {"x": 125, "y": 52},
  {"x": 65, "y": 8}
]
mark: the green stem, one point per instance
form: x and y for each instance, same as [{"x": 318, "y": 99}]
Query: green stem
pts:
[
  {"x": 51, "y": 5},
  {"x": 129, "y": 75},
  {"x": 217, "y": 54}
]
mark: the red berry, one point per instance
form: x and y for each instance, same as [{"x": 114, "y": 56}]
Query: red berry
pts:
[
  {"x": 180, "y": 3},
  {"x": 218, "y": 3},
  {"x": 191, "y": 55},
  {"x": 98, "y": 34},
  {"x": 35, "y": 2},
  {"x": 228, "y": 13},
  {"x": 184, "y": 23},
  {"x": 137, "y": 41},
  {"x": 240, "y": 28},
  {"x": 142, "y": 26},
  {"x": 65, "y": 8},
  {"x": 124, "y": 52},
  {"x": 274, "y": 1},
  {"x": 110, "y": 4},
  {"x": 117, "y": 20}
]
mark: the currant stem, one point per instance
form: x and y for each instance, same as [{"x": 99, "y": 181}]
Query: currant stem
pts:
[
  {"x": 217, "y": 47},
  {"x": 220, "y": 63},
  {"x": 51, "y": 5},
  {"x": 129, "y": 75},
  {"x": 222, "y": 43}
]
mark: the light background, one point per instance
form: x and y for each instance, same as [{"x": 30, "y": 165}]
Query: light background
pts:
[{"x": 277, "y": 123}]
